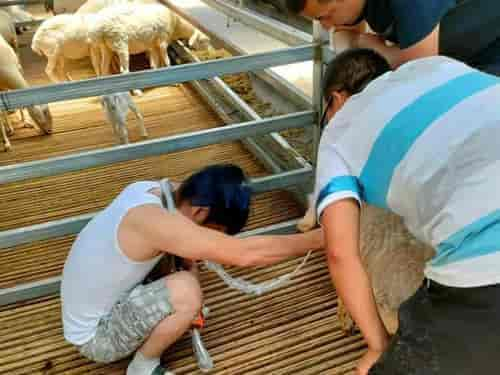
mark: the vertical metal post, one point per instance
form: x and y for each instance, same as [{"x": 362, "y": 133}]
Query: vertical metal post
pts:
[{"x": 317, "y": 97}]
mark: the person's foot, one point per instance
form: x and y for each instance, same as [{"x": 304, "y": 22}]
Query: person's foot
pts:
[{"x": 141, "y": 365}]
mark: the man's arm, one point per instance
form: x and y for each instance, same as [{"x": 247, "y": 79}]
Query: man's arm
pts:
[
  {"x": 340, "y": 222},
  {"x": 429, "y": 46},
  {"x": 180, "y": 236}
]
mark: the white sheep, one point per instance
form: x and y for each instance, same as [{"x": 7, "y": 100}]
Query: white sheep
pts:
[
  {"x": 11, "y": 78},
  {"x": 393, "y": 259},
  {"x": 61, "y": 37},
  {"x": 94, "y": 6},
  {"x": 136, "y": 28},
  {"x": 116, "y": 107}
]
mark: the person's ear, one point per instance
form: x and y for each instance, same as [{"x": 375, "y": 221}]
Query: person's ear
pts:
[
  {"x": 199, "y": 214},
  {"x": 339, "y": 99}
]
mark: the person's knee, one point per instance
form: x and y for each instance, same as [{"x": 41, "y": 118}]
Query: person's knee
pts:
[{"x": 185, "y": 292}]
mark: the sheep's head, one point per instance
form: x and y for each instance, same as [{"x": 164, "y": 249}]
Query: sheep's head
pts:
[
  {"x": 42, "y": 117},
  {"x": 199, "y": 41}
]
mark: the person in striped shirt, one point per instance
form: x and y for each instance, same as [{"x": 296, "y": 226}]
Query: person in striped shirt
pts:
[{"x": 423, "y": 142}]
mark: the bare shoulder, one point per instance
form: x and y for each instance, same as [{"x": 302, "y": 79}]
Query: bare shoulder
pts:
[{"x": 134, "y": 233}]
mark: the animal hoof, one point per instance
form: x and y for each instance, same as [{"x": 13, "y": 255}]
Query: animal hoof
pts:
[
  {"x": 304, "y": 226},
  {"x": 7, "y": 147},
  {"x": 346, "y": 323},
  {"x": 137, "y": 92}
]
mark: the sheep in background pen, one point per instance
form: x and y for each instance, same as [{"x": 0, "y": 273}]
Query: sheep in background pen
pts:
[
  {"x": 392, "y": 257},
  {"x": 11, "y": 78},
  {"x": 116, "y": 107},
  {"x": 8, "y": 29},
  {"x": 18, "y": 14},
  {"x": 94, "y": 6},
  {"x": 62, "y": 37},
  {"x": 136, "y": 28}
]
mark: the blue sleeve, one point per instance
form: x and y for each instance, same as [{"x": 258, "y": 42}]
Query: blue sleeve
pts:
[{"x": 415, "y": 19}]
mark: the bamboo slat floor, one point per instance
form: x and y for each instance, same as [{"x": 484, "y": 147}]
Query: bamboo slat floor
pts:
[{"x": 291, "y": 330}]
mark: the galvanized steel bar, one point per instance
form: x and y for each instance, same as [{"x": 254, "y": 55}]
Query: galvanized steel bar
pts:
[
  {"x": 317, "y": 92},
  {"x": 29, "y": 291},
  {"x": 73, "y": 225},
  {"x": 6, "y": 3},
  {"x": 52, "y": 285},
  {"x": 225, "y": 91},
  {"x": 266, "y": 25},
  {"x": 295, "y": 95},
  {"x": 14, "y": 99},
  {"x": 95, "y": 158}
]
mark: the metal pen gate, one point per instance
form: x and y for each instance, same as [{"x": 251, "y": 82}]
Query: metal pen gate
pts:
[{"x": 152, "y": 78}]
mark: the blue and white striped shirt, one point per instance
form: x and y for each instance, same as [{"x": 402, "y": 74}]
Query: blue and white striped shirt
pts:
[{"x": 424, "y": 142}]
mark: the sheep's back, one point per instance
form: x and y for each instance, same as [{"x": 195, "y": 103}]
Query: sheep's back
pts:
[
  {"x": 393, "y": 258},
  {"x": 138, "y": 24},
  {"x": 67, "y": 31}
]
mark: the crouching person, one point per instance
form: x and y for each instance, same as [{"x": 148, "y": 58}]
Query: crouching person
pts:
[{"x": 107, "y": 310}]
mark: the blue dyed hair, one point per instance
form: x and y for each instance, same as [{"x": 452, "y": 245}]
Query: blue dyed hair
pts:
[{"x": 223, "y": 189}]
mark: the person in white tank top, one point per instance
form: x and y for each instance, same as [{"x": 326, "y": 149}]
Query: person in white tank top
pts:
[{"x": 107, "y": 310}]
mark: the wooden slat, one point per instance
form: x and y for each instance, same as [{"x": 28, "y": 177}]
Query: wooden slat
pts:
[{"x": 294, "y": 329}]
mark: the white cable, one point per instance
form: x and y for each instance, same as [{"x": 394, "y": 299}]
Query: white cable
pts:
[{"x": 248, "y": 287}]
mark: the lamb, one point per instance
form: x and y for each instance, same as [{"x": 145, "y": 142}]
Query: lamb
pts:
[
  {"x": 393, "y": 259},
  {"x": 11, "y": 78},
  {"x": 132, "y": 28},
  {"x": 116, "y": 107}
]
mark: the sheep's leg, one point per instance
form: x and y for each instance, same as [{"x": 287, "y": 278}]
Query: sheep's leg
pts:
[
  {"x": 96, "y": 59},
  {"x": 389, "y": 318},
  {"x": 140, "y": 118},
  {"x": 346, "y": 323},
  {"x": 164, "y": 53},
  {"x": 308, "y": 222},
  {"x": 61, "y": 73},
  {"x": 154, "y": 59},
  {"x": 4, "y": 122},
  {"x": 105, "y": 56},
  {"x": 124, "y": 57},
  {"x": 25, "y": 123},
  {"x": 50, "y": 69},
  {"x": 122, "y": 132}
]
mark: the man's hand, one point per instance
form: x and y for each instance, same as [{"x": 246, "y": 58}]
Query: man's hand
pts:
[{"x": 367, "y": 361}]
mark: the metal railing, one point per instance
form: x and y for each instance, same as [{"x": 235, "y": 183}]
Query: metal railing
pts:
[{"x": 138, "y": 80}]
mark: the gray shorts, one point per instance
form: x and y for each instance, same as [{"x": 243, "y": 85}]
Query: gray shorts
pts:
[{"x": 129, "y": 323}]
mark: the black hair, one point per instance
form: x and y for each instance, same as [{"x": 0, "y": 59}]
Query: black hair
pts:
[
  {"x": 223, "y": 189},
  {"x": 353, "y": 70}
]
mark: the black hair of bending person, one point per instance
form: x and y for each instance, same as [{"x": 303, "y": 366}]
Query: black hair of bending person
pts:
[
  {"x": 223, "y": 189},
  {"x": 352, "y": 70}
]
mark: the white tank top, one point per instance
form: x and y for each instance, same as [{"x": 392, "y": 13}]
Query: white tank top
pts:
[{"x": 97, "y": 272}]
